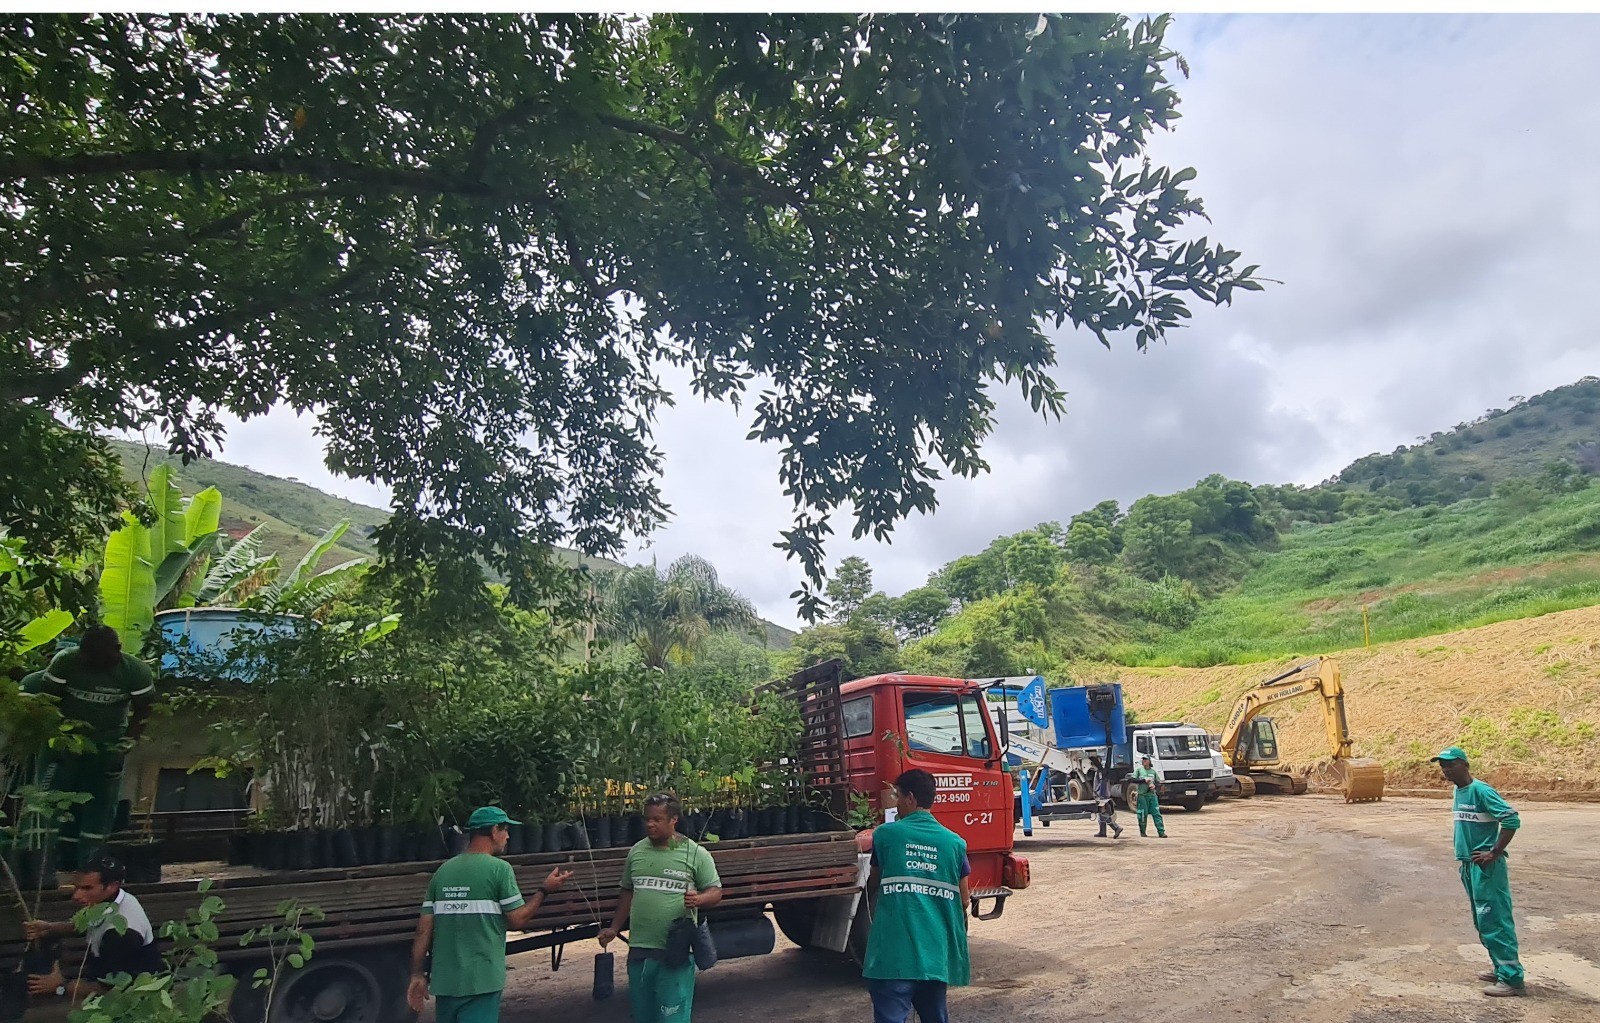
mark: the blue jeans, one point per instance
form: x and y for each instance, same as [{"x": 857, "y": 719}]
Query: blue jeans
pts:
[{"x": 893, "y": 1000}]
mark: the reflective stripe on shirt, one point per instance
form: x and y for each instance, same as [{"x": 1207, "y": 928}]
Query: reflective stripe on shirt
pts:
[{"x": 466, "y": 907}]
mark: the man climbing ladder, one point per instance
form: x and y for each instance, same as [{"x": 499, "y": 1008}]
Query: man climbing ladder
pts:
[{"x": 109, "y": 693}]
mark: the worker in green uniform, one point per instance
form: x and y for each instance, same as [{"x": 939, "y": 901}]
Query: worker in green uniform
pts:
[
  {"x": 472, "y": 901},
  {"x": 1147, "y": 800},
  {"x": 109, "y": 694},
  {"x": 666, "y": 876},
  {"x": 917, "y": 947},
  {"x": 1484, "y": 825}
]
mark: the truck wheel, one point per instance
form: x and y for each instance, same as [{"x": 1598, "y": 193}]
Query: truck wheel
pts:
[
  {"x": 335, "y": 989},
  {"x": 1077, "y": 791},
  {"x": 797, "y": 920},
  {"x": 1193, "y": 805}
]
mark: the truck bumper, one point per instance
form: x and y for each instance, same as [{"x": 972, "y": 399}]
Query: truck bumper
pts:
[{"x": 1182, "y": 791}]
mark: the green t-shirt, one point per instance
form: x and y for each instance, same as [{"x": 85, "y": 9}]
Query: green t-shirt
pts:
[
  {"x": 658, "y": 878},
  {"x": 1479, "y": 814},
  {"x": 98, "y": 697},
  {"x": 1145, "y": 777},
  {"x": 918, "y": 925},
  {"x": 468, "y": 899}
]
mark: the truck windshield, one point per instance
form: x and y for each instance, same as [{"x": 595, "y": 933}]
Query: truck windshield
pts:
[
  {"x": 1183, "y": 747},
  {"x": 946, "y": 723}
]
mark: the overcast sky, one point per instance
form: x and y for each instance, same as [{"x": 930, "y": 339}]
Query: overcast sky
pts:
[{"x": 1427, "y": 188}]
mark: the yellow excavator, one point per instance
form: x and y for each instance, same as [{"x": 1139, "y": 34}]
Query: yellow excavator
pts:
[{"x": 1250, "y": 742}]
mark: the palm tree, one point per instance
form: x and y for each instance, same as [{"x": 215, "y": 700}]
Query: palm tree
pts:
[{"x": 673, "y": 612}]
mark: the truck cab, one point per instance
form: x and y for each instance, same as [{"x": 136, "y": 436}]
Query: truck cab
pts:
[
  {"x": 1181, "y": 756},
  {"x": 893, "y": 723}
]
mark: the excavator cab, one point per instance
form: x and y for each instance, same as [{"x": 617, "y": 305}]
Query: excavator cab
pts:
[{"x": 1261, "y": 744}]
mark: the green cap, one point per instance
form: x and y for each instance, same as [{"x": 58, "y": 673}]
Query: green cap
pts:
[
  {"x": 1451, "y": 753},
  {"x": 484, "y": 816}
]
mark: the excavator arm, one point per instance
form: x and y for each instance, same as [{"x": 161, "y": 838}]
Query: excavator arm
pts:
[{"x": 1362, "y": 779}]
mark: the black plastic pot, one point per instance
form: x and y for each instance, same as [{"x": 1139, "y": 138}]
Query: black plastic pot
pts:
[
  {"x": 619, "y": 831},
  {"x": 143, "y": 859},
  {"x": 738, "y": 822},
  {"x": 264, "y": 850},
  {"x": 453, "y": 842},
  {"x": 344, "y": 847},
  {"x": 366, "y": 843},
  {"x": 717, "y": 823},
  {"x": 40, "y": 957},
  {"x": 822, "y": 820},
  {"x": 635, "y": 828},
  {"x": 799, "y": 820},
  {"x": 239, "y": 848},
  {"x": 413, "y": 845},
  {"x": 513, "y": 840},
  {"x": 35, "y": 868},
  {"x": 554, "y": 838},
  {"x": 390, "y": 844},
  {"x": 578, "y": 836},
  {"x": 13, "y": 996}
]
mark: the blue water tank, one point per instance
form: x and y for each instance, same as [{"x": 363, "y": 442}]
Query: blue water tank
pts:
[
  {"x": 204, "y": 642},
  {"x": 1079, "y": 715}
]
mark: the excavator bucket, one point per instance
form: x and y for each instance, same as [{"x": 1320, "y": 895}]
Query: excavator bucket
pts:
[{"x": 1361, "y": 779}]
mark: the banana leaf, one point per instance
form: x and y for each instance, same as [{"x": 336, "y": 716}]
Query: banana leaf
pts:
[
  {"x": 273, "y": 595},
  {"x": 166, "y": 501},
  {"x": 237, "y": 563},
  {"x": 128, "y": 584},
  {"x": 310, "y": 594},
  {"x": 43, "y": 629},
  {"x": 202, "y": 515},
  {"x": 170, "y": 572}
]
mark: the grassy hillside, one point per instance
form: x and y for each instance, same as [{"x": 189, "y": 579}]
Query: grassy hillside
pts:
[
  {"x": 1495, "y": 520},
  {"x": 296, "y": 513},
  {"x": 1522, "y": 697},
  {"x": 1418, "y": 571}
]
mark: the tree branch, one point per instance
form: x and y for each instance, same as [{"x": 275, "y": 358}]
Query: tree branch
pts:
[{"x": 397, "y": 178}]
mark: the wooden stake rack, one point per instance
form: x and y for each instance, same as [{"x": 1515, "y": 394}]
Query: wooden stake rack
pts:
[{"x": 379, "y": 905}]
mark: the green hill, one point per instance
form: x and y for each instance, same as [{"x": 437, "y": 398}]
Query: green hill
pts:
[
  {"x": 1496, "y": 519},
  {"x": 296, "y": 513}
]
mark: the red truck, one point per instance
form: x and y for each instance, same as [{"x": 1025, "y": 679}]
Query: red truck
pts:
[{"x": 859, "y": 736}]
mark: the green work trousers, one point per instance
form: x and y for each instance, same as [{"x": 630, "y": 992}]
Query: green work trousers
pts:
[
  {"x": 484, "y": 1008},
  {"x": 658, "y": 992},
  {"x": 1489, "y": 892},
  {"x": 84, "y": 833},
  {"x": 1150, "y": 808}
]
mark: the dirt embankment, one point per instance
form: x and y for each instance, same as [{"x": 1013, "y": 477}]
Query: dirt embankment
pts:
[{"x": 1522, "y": 697}]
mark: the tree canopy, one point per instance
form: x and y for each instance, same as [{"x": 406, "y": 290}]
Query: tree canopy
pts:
[{"x": 469, "y": 243}]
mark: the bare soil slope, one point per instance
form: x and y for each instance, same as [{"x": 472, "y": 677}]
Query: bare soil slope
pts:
[{"x": 1522, "y": 697}]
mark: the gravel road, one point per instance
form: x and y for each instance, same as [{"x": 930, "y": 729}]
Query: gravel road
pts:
[{"x": 1270, "y": 909}]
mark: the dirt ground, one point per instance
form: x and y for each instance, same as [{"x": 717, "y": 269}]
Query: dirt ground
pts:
[
  {"x": 1271, "y": 909},
  {"x": 1520, "y": 696}
]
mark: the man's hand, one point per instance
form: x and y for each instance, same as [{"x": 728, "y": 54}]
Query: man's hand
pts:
[
  {"x": 417, "y": 992},
  {"x": 607, "y": 936},
  {"x": 1484, "y": 857},
  {"x": 691, "y": 898},
  {"x": 36, "y": 929},
  {"x": 45, "y": 983},
  {"x": 555, "y": 879}
]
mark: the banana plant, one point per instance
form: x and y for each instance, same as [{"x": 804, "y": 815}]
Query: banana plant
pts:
[{"x": 145, "y": 563}]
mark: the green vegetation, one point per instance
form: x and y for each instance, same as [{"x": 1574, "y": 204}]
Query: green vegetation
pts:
[
  {"x": 1420, "y": 572},
  {"x": 1493, "y": 521},
  {"x": 470, "y": 244}
]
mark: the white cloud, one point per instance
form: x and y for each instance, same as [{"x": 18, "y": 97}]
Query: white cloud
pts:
[{"x": 1423, "y": 186}]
